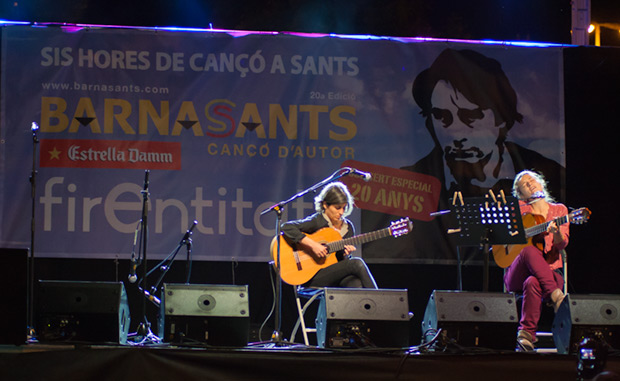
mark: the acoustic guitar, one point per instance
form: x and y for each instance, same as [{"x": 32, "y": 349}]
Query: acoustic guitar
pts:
[
  {"x": 299, "y": 266},
  {"x": 535, "y": 230}
]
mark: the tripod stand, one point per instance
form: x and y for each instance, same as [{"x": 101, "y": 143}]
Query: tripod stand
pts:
[{"x": 143, "y": 334}]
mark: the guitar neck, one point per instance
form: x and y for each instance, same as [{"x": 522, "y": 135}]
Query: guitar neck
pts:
[
  {"x": 358, "y": 239},
  {"x": 541, "y": 228}
]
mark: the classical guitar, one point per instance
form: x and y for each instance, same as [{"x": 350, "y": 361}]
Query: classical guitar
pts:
[
  {"x": 299, "y": 266},
  {"x": 535, "y": 228}
]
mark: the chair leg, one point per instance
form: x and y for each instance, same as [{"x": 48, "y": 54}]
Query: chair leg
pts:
[
  {"x": 300, "y": 320},
  {"x": 301, "y": 311},
  {"x": 565, "y": 270}
]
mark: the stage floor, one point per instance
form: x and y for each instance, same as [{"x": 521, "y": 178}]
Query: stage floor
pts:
[{"x": 268, "y": 361}]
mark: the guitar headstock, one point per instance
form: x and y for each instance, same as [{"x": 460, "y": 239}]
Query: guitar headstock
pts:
[
  {"x": 580, "y": 216},
  {"x": 401, "y": 227}
]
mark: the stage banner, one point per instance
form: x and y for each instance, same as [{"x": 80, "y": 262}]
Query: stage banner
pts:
[{"x": 218, "y": 126}]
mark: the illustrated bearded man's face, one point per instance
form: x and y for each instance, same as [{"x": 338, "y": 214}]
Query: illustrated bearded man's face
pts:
[{"x": 466, "y": 133}]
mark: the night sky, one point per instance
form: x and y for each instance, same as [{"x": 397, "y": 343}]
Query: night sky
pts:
[{"x": 510, "y": 20}]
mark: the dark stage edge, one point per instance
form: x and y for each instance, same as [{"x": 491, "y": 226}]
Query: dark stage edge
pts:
[{"x": 113, "y": 362}]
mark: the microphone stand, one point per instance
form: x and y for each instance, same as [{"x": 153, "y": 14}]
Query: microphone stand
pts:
[
  {"x": 188, "y": 242},
  {"x": 166, "y": 264},
  {"x": 459, "y": 271},
  {"x": 276, "y": 336},
  {"x": 144, "y": 328},
  {"x": 30, "y": 331}
]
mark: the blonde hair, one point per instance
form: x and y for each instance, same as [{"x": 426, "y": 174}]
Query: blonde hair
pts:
[
  {"x": 536, "y": 176},
  {"x": 333, "y": 194}
]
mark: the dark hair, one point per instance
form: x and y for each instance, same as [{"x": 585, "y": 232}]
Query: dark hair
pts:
[
  {"x": 333, "y": 194},
  {"x": 479, "y": 78}
]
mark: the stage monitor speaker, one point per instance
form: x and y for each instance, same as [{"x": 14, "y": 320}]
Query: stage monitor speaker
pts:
[
  {"x": 581, "y": 316},
  {"x": 471, "y": 319},
  {"x": 216, "y": 315},
  {"x": 14, "y": 280},
  {"x": 95, "y": 312},
  {"x": 361, "y": 317}
]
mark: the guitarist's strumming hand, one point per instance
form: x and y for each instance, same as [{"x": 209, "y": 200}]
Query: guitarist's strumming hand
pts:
[{"x": 318, "y": 249}]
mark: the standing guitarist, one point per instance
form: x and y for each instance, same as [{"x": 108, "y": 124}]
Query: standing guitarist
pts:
[
  {"x": 534, "y": 270},
  {"x": 332, "y": 206}
]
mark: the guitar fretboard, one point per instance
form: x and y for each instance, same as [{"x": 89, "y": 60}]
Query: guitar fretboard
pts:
[
  {"x": 358, "y": 239},
  {"x": 535, "y": 230}
]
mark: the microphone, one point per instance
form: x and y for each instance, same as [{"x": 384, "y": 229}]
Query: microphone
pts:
[
  {"x": 132, "y": 271},
  {"x": 189, "y": 232},
  {"x": 34, "y": 127},
  {"x": 536, "y": 196},
  {"x": 146, "y": 181},
  {"x": 366, "y": 176}
]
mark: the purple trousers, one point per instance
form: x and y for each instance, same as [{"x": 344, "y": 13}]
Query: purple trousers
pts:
[{"x": 531, "y": 274}]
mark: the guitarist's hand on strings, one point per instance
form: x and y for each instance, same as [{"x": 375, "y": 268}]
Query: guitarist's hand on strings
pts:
[
  {"x": 555, "y": 230},
  {"x": 552, "y": 228},
  {"x": 348, "y": 249},
  {"x": 318, "y": 249}
]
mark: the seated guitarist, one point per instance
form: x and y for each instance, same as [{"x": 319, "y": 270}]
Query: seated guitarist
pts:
[
  {"x": 333, "y": 204},
  {"x": 534, "y": 270}
]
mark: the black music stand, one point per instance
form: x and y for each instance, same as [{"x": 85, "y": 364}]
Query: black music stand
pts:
[{"x": 487, "y": 221}]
